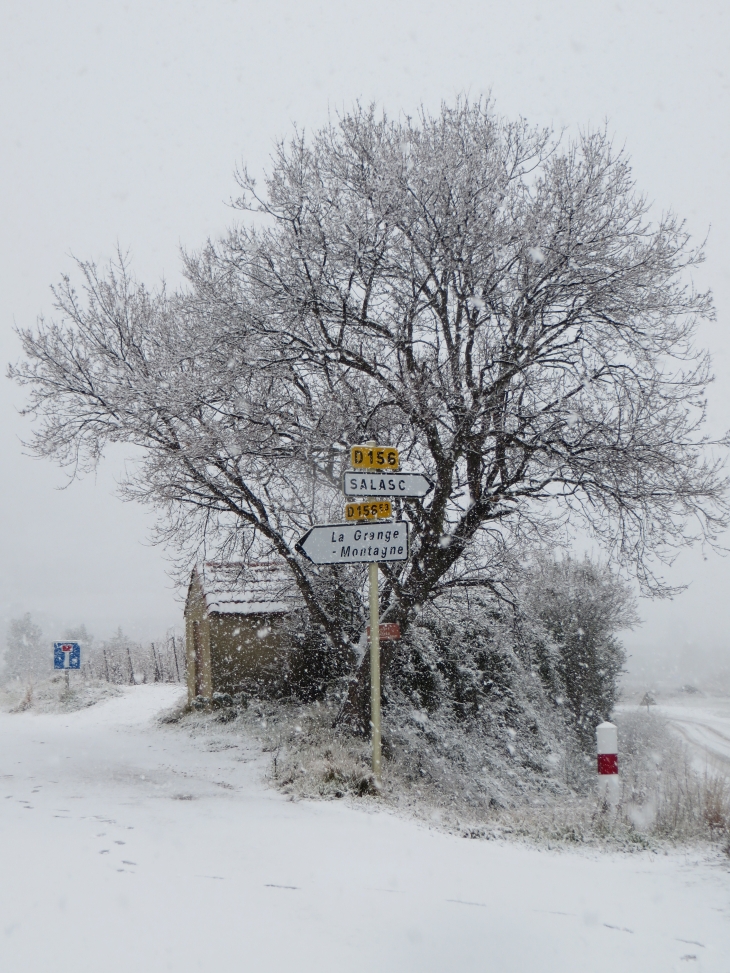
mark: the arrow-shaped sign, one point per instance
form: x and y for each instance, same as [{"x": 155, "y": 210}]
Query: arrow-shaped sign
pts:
[
  {"x": 351, "y": 543},
  {"x": 366, "y": 483}
]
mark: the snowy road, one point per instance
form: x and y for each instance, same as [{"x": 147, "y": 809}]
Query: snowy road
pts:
[
  {"x": 704, "y": 724},
  {"x": 127, "y": 846}
]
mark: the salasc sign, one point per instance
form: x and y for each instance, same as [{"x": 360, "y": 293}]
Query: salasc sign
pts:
[{"x": 356, "y": 483}]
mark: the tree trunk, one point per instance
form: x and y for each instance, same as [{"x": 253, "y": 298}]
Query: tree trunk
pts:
[{"x": 355, "y": 711}]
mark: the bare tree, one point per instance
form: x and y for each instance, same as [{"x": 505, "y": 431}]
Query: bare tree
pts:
[
  {"x": 27, "y": 655},
  {"x": 496, "y": 303}
]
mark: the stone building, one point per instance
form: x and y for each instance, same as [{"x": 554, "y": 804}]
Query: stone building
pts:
[{"x": 240, "y": 623}]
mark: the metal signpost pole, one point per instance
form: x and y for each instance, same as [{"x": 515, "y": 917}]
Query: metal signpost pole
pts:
[
  {"x": 375, "y": 732},
  {"x": 369, "y": 536},
  {"x": 375, "y": 668}
]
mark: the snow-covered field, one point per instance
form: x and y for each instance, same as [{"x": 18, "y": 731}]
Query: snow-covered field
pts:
[{"x": 133, "y": 846}]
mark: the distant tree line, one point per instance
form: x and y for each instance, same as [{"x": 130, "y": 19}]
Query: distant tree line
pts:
[{"x": 122, "y": 660}]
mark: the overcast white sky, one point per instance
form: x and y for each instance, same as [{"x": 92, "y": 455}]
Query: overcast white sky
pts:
[{"x": 122, "y": 123}]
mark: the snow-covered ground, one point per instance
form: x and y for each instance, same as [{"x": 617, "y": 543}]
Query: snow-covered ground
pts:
[{"x": 131, "y": 846}]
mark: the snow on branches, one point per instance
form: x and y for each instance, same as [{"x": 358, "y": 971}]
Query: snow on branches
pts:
[{"x": 494, "y": 303}]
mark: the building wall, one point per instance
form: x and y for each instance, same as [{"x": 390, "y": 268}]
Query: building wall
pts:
[
  {"x": 248, "y": 653},
  {"x": 197, "y": 642}
]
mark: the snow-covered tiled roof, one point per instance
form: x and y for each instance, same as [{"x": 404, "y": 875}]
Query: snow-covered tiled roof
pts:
[{"x": 260, "y": 588}]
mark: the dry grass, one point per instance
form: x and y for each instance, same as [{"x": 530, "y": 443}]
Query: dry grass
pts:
[
  {"x": 26, "y": 701},
  {"x": 51, "y": 696}
]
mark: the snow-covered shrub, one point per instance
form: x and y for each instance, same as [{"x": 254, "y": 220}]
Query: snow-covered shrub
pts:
[
  {"x": 315, "y": 666},
  {"x": 582, "y": 605},
  {"x": 466, "y": 710}
]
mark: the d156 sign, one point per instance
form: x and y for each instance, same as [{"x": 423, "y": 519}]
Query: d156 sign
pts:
[
  {"x": 369, "y": 511},
  {"x": 348, "y": 544},
  {"x": 374, "y": 457},
  {"x": 66, "y": 655}
]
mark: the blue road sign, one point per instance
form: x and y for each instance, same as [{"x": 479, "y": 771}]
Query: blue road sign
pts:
[{"x": 66, "y": 655}]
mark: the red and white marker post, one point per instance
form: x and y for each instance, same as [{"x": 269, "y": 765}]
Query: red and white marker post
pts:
[{"x": 607, "y": 748}]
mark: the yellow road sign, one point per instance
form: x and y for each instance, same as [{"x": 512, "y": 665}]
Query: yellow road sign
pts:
[
  {"x": 372, "y": 510},
  {"x": 374, "y": 458}
]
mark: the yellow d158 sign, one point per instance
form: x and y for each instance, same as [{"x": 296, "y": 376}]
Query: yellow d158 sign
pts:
[
  {"x": 373, "y": 510},
  {"x": 374, "y": 458}
]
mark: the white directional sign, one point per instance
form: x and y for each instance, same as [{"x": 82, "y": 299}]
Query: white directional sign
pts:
[
  {"x": 371, "y": 483},
  {"x": 351, "y": 543}
]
